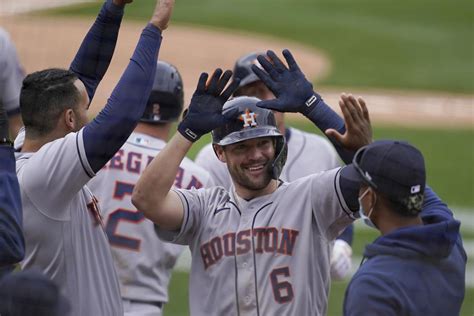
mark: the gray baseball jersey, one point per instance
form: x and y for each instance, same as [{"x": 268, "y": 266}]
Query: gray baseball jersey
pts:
[
  {"x": 307, "y": 154},
  {"x": 63, "y": 226},
  {"x": 143, "y": 261},
  {"x": 11, "y": 74},
  {"x": 256, "y": 257}
]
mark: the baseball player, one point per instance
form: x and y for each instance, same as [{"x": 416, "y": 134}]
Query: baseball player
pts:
[
  {"x": 12, "y": 244},
  {"x": 142, "y": 260},
  {"x": 62, "y": 224},
  {"x": 11, "y": 77},
  {"x": 307, "y": 154},
  {"x": 263, "y": 247}
]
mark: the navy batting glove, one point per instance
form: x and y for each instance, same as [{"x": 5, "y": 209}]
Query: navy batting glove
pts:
[
  {"x": 205, "y": 111},
  {"x": 294, "y": 93}
]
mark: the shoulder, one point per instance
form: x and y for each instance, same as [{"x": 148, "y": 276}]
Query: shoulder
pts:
[{"x": 209, "y": 199}]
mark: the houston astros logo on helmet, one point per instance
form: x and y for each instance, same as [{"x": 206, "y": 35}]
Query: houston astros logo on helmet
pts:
[{"x": 248, "y": 118}]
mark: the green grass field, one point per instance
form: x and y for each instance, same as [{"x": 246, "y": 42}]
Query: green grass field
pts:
[{"x": 417, "y": 44}]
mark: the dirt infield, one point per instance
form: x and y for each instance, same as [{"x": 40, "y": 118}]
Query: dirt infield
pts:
[{"x": 52, "y": 42}]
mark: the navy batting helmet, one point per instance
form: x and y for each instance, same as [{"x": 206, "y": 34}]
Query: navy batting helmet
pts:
[
  {"x": 251, "y": 122},
  {"x": 243, "y": 69},
  {"x": 167, "y": 97}
]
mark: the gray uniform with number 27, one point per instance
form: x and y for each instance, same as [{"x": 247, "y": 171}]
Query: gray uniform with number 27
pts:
[{"x": 266, "y": 256}]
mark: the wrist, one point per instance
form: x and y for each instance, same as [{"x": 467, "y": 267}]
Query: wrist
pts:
[
  {"x": 115, "y": 9},
  {"x": 187, "y": 133},
  {"x": 310, "y": 103}
]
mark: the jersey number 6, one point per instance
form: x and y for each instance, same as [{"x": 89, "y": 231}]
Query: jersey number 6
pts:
[{"x": 282, "y": 290}]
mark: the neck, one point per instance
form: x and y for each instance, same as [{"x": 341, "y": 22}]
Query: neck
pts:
[
  {"x": 160, "y": 131},
  {"x": 248, "y": 194},
  {"x": 392, "y": 222},
  {"x": 34, "y": 144}
]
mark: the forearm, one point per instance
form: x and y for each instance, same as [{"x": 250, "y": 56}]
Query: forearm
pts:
[
  {"x": 104, "y": 136},
  {"x": 12, "y": 245},
  {"x": 152, "y": 193},
  {"x": 325, "y": 118},
  {"x": 97, "y": 48}
]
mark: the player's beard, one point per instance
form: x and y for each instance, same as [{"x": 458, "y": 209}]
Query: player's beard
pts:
[{"x": 240, "y": 176}]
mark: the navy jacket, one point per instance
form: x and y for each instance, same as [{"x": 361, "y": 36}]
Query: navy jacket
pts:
[
  {"x": 417, "y": 270},
  {"x": 12, "y": 244}
]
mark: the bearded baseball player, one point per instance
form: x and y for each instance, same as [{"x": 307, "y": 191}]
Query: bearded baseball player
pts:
[
  {"x": 62, "y": 224},
  {"x": 307, "y": 154},
  {"x": 143, "y": 261},
  {"x": 262, "y": 248}
]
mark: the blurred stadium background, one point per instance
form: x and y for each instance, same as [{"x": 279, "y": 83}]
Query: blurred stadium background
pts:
[{"x": 413, "y": 60}]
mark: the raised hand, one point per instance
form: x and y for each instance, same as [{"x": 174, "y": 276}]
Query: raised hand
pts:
[
  {"x": 205, "y": 111},
  {"x": 162, "y": 14},
  {"x": 294, "y": 93},
  {"x": 357, "y": 121}
]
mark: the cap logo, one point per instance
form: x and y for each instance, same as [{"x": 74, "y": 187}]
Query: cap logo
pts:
[
  {"x": 248, "y": 118},
  {"x": 415, "y": 189},
  {"x": 156, "y": 111}
]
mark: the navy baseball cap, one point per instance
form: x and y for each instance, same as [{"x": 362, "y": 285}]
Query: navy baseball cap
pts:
[
  {"x": 30, "y": 292},
  {"x": 394, "y": 168},
  {"x": 243, "y": 69}
]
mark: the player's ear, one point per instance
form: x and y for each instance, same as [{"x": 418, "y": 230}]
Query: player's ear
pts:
[
  {"x": 219, "y": 150},
  {"x": 69, "y": 118}
]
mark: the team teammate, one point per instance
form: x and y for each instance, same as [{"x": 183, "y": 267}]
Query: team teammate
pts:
[
  {"x": 418, "y": 265},
  {"x": 12, "y": 244},
  {"x": 263, "y": 248},
  {"x": 11, "y": 77},
  {"x": 142, "y": 260},
  {"x": 307, "y": 154},
  {"x": 62, "y": 224}
]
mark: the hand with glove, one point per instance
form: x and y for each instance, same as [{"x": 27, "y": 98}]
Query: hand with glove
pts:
[
  {"x": 294, "y": 93},
  {"x": 205, "y": 111},
  {"x": 341, "y": 260}
]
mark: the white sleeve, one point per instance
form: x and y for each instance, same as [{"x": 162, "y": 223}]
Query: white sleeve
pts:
[
  {"x": 208, "y": 160},
  {"x": 55, "y": 174},
  {"x": 11, "y": 74},
  {"x": 193, "y": 207},
  {"x": 329, "y": 207},
  {"x": 198, "y": 204}
]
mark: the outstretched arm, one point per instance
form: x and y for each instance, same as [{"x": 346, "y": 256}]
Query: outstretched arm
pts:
[
  {"x": 295, "y": 94},
  {"x": 114, "y": 124},
  {"x": 97, "y": 48},
  {"x": 152, "y": 193}
]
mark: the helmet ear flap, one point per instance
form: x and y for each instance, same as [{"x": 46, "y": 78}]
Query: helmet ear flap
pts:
[{"x": 281, "y": 153}]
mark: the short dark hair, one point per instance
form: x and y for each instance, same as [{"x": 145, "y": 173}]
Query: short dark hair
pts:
[{"x": 44, "y": 96}]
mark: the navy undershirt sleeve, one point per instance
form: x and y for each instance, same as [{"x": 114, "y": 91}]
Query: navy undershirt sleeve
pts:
[
  {"x": 97, "y": 48},
  {"x": 324, "y": 117},
  {"x": 12, "y": 244},
  {"x": 104, "y": 136},
  {"x": 347, "y": 234}
]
